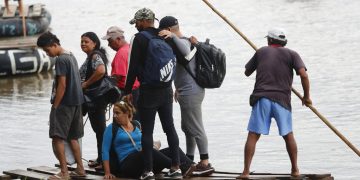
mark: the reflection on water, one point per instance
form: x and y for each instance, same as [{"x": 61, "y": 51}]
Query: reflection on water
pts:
[{"x": 21, "y": 87}]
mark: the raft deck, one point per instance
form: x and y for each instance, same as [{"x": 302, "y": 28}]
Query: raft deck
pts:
[
  {"x": 18, "y": 42},
  {"x": 44, "y": 172}
]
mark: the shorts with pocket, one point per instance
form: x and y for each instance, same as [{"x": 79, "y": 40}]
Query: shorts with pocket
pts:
[
  {"x": 261, "y": 114},
  {"x": 66, "y": 122}
]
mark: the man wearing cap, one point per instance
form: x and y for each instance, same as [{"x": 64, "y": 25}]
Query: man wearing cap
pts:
[
  {"x": 189, "y": 94},
  {"x": 152, "y": 99},
  {"x": 119, "y": 66},
  {"x": 271, "y": 97}
]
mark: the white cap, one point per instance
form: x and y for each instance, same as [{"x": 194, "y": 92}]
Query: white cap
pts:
[{"x": 277, "y": 33}]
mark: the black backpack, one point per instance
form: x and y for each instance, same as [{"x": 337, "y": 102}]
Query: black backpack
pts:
[
  {"x": 210, "y": 65},
  {"x": 113, "y": 160}
]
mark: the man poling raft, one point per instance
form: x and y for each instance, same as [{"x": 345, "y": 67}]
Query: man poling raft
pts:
[{"x": 304, "y": 99}]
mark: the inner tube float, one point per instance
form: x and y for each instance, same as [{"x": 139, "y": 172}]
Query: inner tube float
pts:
[
  {"x": 24, "y": 61},
  {"x": 35, "y": 23}
]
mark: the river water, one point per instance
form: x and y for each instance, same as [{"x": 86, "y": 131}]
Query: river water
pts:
[{"x": 324, "y": 32}]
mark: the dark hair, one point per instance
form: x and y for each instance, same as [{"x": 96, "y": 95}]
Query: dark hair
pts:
[
  {"x": 93, "y": 37},
  {"x": 276, "y": 41},
  {"x": 126, "y": 106},
  {"x": 47, "y": 39}
]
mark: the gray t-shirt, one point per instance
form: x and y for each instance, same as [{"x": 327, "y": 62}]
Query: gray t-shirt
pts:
[
  {"x": 184, "y": 82},
  {"x": 274, "y": 73},
  {"x": 66, "y": 65}
]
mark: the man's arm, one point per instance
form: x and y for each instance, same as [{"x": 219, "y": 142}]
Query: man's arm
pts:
[
  {"x": 134, "y": 62},
  {"x": 251, "y": 66},
  {"x": 306, "y": 86},
  {"x": 248, "y": 72},
  {"x": 60, "y": 90}
]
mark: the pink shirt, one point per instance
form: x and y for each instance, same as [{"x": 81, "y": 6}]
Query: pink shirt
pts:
[{"x": 119, "y": 66}]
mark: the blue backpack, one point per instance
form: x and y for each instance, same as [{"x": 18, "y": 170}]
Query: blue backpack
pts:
[{"x": 160, "y": 61}]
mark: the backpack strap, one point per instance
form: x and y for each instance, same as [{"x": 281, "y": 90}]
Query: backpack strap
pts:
[
  {"x": 188, "y": 57},
  {"x": 147, "y": 34},
  {"x": 115, "y": 128},
  {"x": 136, "y": 123}
]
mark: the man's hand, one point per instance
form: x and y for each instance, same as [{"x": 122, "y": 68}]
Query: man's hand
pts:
[
  {"x": 306, "y": 101},
  {"x": 193, "y": 40},
  {"x": 165, "y": 33}
]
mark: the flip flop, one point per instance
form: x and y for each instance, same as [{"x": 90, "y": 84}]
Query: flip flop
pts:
[
  {"x": 99, "y": 168},
  {"x": 93, "y": 164},
  {"x": 75, "y": 174}
]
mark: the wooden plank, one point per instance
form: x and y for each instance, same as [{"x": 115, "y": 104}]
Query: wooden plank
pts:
[
  {"x": 10, "y": 14},
  {"x": 4, "y": 177},
  {"x": 53, "y": 171},
  {"x": 86, "y": 167},
  {"x": 18, "y": 42},
  {"x": 19, "y": 173},
  {"x": 35, "y": 10}
]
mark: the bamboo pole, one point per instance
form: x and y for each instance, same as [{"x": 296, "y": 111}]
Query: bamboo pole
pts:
[
  {"x": 21, "y": 10},
  {"x": 342, "y": 137}
]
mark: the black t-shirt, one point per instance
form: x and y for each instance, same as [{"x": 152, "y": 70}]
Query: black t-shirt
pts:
[{"x": 274, "y": 73}]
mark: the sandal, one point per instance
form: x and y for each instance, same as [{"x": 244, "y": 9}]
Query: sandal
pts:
[
  {"x": 93, "y": 164},
  {"x": 99, "y": 168},
  {"x": 75, "y": 174}
]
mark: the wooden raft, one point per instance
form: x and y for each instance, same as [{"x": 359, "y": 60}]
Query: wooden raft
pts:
[
  {"x": 18, "y": 42},
  {"x": 44, "y": 172}
]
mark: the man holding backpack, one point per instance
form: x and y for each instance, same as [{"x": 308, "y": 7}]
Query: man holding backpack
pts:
[
  {"x": 153, "y": 62},
  {"x": 189, "y": 94}
]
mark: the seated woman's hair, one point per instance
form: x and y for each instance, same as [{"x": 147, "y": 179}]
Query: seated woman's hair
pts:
[
  {"x": 47, "y": 39},
  {"x": 126, "y": 106}
]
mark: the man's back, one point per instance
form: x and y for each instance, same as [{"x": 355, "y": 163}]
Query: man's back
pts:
[
  {"x": 274, "y": 72},
  {"x": 66, "y": 65}
]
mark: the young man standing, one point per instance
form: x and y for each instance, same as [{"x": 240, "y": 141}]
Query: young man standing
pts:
[
  {"x": 155, "y": 94},
  {"x": 189, "y": 94},
  {"x": 66, "y": 123},
  {"x": 119, "y": 66},
  {"x": 271, "y": 98}
]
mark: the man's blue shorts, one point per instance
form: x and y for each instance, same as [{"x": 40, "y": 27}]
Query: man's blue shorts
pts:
[{"x": 261, "y": 114}]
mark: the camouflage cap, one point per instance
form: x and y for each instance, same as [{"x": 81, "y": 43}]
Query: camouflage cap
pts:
[{"x": 144, "y": 13}]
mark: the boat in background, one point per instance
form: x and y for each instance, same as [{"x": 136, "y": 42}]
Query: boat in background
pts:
[{"x": 19, "y": 54}]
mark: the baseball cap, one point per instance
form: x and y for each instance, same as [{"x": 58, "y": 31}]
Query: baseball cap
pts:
[
  {"x": 144, "y": 13},
  {"x": 113, "y": 32},
  {"x": 277, "y": 33},
  {"x": 168, "y": 21}
]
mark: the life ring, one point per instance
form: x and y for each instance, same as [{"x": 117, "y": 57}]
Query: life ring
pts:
[
  {"x": 35, "y": 23},
  {"x": 24, "y": 61}
]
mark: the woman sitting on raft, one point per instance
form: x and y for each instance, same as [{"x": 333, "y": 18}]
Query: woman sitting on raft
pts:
[{"x": 127, "y": 147}]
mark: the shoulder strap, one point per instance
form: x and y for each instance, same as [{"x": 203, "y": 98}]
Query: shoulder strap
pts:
[
  {"x": 136, "y": 124},
  {"x": 115, "y": 129},
  {"x": 132, "y": 140},
  {"x": 147, "y": 34}
]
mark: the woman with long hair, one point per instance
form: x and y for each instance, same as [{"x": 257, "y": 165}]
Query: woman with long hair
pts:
[{"x": 92, "y": 71}]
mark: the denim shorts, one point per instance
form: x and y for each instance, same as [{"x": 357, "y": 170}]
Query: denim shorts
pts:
[{"x": 261, "y": 114}]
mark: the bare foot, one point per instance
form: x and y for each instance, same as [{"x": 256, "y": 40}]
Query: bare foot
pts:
[
  {"x": 243, "y": 176},
  {"x": 295, "y": 173}
]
